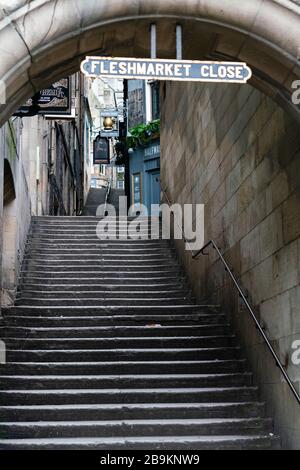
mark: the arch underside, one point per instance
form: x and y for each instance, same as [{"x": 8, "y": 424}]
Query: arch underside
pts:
[{"x": 46, "y": 39}]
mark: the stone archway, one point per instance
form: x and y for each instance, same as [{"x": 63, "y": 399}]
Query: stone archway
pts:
[{"x": 46, "y": 39}]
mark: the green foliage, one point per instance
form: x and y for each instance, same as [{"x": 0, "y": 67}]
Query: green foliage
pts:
[{"x": 142, "y": 134}]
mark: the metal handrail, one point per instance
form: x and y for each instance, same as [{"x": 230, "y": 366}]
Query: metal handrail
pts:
[{"x": 248, "y": 306}]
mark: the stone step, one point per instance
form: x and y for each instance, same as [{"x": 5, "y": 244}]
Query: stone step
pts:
[
  {"x": 97, "y": 253},
  {"x": 99, "y": 286},
  {"x": 119, "y": 268},
  {"x": 71, "y": 239},
  {"x": 26, "y": 286},
  {"x": 102, "y": 224},
  {"x": 107, "y": 343},
  {"x": 104, "y": 248},
  {"x": 84, "y": 255},
  {"x": 129, "y": 311},
  {"x": 118, "y": 237},
  {"x": 104, "y": 293},
  {"x": 113, "y": 331},
  {"x": 125, "y": 367},
  {"x": 142, "y": 354},
  {"x": 144, "y": 238},
  {"x": 112, "y": 269},
  {"x": 116, "y": 269},
  {"x": 41, "y": 413},
  {"x": 116, "y": 289},
  {"x": 100, "y": 273},
  {"x": 97, "y": 220},
  {"x": 233, "y": 442},
  {"x": 100, "y": 301},
  {"x": 107, "y": 224},
  {"x": 113, "y": 282},
  {"x": 85, "y": 220},
  {"x": 96, "y": 260},
  {"x": 100, "y": 227},
  {"x": 85, "y": 321},
  {"x": 123, "y": 396},
  {"x": 93, "y": 223},
  {"x": 99, "y": 291},
  {"x": 102, "y": 233},
  {"x": 62, "y": 219},
  {"x": 146, "y": 427},
  {"x": 110, "y": 225},
  {"x": 95, "y": 263},
  {"x": 41, "y": 382}
]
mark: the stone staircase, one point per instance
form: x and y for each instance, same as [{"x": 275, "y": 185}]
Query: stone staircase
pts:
[
  {"x": 106, "y": 349},
  {"x": 95, "y": 198}
]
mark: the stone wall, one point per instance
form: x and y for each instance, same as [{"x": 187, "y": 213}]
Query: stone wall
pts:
[
  {"x": 1, "y": 208},
  {"x": 233, "y": 149},
  {"x": 16, "y": 214}
]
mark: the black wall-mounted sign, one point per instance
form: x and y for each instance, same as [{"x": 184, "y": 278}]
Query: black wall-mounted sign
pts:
[
  {"x": 101, "y": 151},
  {"x": 55, "y": 99}
]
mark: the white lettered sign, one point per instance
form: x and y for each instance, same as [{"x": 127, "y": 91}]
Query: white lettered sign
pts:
[{"x": 161, "y": 69}]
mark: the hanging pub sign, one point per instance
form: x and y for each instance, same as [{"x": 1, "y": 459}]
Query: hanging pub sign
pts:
[
  {"x": 101, "y": 151},
  {"x": 110, "y": 124},
  {"x": 56, "y": 99},
  {"x": 161, "y": 69}
]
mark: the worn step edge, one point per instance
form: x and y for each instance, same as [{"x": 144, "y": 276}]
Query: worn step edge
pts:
[{"x": 158, "y": 442}]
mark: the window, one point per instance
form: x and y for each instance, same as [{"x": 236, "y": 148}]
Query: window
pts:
[
  {"x": 120, "y": 184},
  {"x": 155, "y": 100},
  {"x": 137, "y": 189}
]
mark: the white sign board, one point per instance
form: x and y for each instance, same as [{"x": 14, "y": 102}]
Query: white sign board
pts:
[{"x": 161, "y": 69}]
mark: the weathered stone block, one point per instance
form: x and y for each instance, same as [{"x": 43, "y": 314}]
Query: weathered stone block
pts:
[
  {"x": 275, "y": 315},
  {"x": 291, "y": 217},
  {"x": 250, "y": 250},
  {"x": 277, "y": 191},
  {"x": 271, "y": 234},
  {"x": 295, "y": 309},
  {"x": 286, "y": 267}
]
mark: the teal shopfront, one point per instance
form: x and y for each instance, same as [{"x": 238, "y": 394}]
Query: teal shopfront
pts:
[{"x": 145, "y": 175}]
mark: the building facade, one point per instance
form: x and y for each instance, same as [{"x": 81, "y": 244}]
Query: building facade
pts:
[
  {"x": 144, "y": 159},
  {"x": 46, "y": 172},
  {"x": 108, "y": 96}
]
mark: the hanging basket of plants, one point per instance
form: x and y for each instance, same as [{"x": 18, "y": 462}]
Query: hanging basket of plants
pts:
[{"x": 143, "y": 134}]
